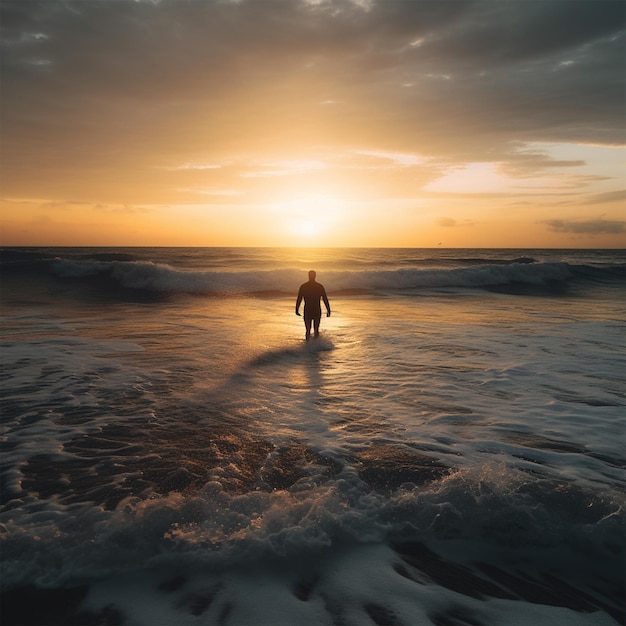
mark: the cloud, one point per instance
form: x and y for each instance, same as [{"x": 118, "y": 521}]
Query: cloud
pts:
[
  {"x": 228, "y": 193},
  {"x": 447, "y": 222},
  {"x": 450, "y": 222},
  {"x": 398, "y": 159},
  {"x": 285, "y": 168},
  {"x": 124, "y": 209},
  {"x": 607, "y": 197},
  {"x": 203, "y": 82},
  {"x": 195, "y": 166},
  {"x": 589, "y": 227},
  {"x": 527, "y": 162}
]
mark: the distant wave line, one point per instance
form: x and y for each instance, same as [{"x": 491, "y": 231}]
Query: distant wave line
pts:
[
  {"x": 121, "y": 271},
  {"x": 157, "y": 277}
]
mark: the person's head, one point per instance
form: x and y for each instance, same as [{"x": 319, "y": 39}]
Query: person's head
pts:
[{"x": 312, "y": 275}]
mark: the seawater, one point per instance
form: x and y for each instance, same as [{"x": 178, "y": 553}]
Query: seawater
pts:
[{"x": 451, "y": 450}]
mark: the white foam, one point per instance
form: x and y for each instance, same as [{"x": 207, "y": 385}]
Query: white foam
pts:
[{"x": 353, "y": 584}]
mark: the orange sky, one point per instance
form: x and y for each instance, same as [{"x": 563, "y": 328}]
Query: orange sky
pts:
[{"x": 313, "y": 122}]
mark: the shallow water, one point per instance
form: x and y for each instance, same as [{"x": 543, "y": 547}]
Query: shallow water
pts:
[{"x": 450, "y": 451}]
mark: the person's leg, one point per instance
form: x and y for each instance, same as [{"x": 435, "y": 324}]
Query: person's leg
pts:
[
  {"x": 316, "y": 325},
  {"x": 307, "y": 326}
]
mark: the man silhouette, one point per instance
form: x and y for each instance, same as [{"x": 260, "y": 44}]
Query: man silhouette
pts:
[{"x": 312, "y": 292}]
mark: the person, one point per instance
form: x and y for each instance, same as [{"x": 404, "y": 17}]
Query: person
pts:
[{"x": 312, "y": 292}]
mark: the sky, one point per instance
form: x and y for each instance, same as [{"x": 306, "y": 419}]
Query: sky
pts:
[{"x": 389, "y": 123}]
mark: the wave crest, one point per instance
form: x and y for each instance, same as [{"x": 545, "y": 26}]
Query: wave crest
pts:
[
  {"x": 163, "y": 278},
  {"x": 113, "y": 272}
]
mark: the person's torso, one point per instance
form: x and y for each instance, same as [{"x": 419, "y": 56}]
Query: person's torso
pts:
[{"x": 312, "y": 292}]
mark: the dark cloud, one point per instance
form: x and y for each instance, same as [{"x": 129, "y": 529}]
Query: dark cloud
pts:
[
  {"x": 501, "y": 33},
  {"x": 103, "y": 85},
  {"x": 589, "y": 227}
]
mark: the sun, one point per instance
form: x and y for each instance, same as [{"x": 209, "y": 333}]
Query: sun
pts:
[
  {"x": 311, "y": 217},
  {"x": 307, "y": 228}
]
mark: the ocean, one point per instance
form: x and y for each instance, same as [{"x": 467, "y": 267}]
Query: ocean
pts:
[{"x": 450, "y": 451}]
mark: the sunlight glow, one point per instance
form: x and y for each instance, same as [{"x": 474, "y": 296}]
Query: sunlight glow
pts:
[
  {"x": 307, "y": 228},
  {"x": 310, "y": 216}
]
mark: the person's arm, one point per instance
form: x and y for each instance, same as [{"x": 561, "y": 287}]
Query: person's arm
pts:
[
  {"x": 325, "y": 298},
  {"x": 298, "y": 301}
]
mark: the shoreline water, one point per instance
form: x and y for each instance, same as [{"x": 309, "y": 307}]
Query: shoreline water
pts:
[{"x": 450, "y": 451}]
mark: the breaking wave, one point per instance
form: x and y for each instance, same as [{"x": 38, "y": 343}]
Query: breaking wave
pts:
[{"x": 115, "y": 271}]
